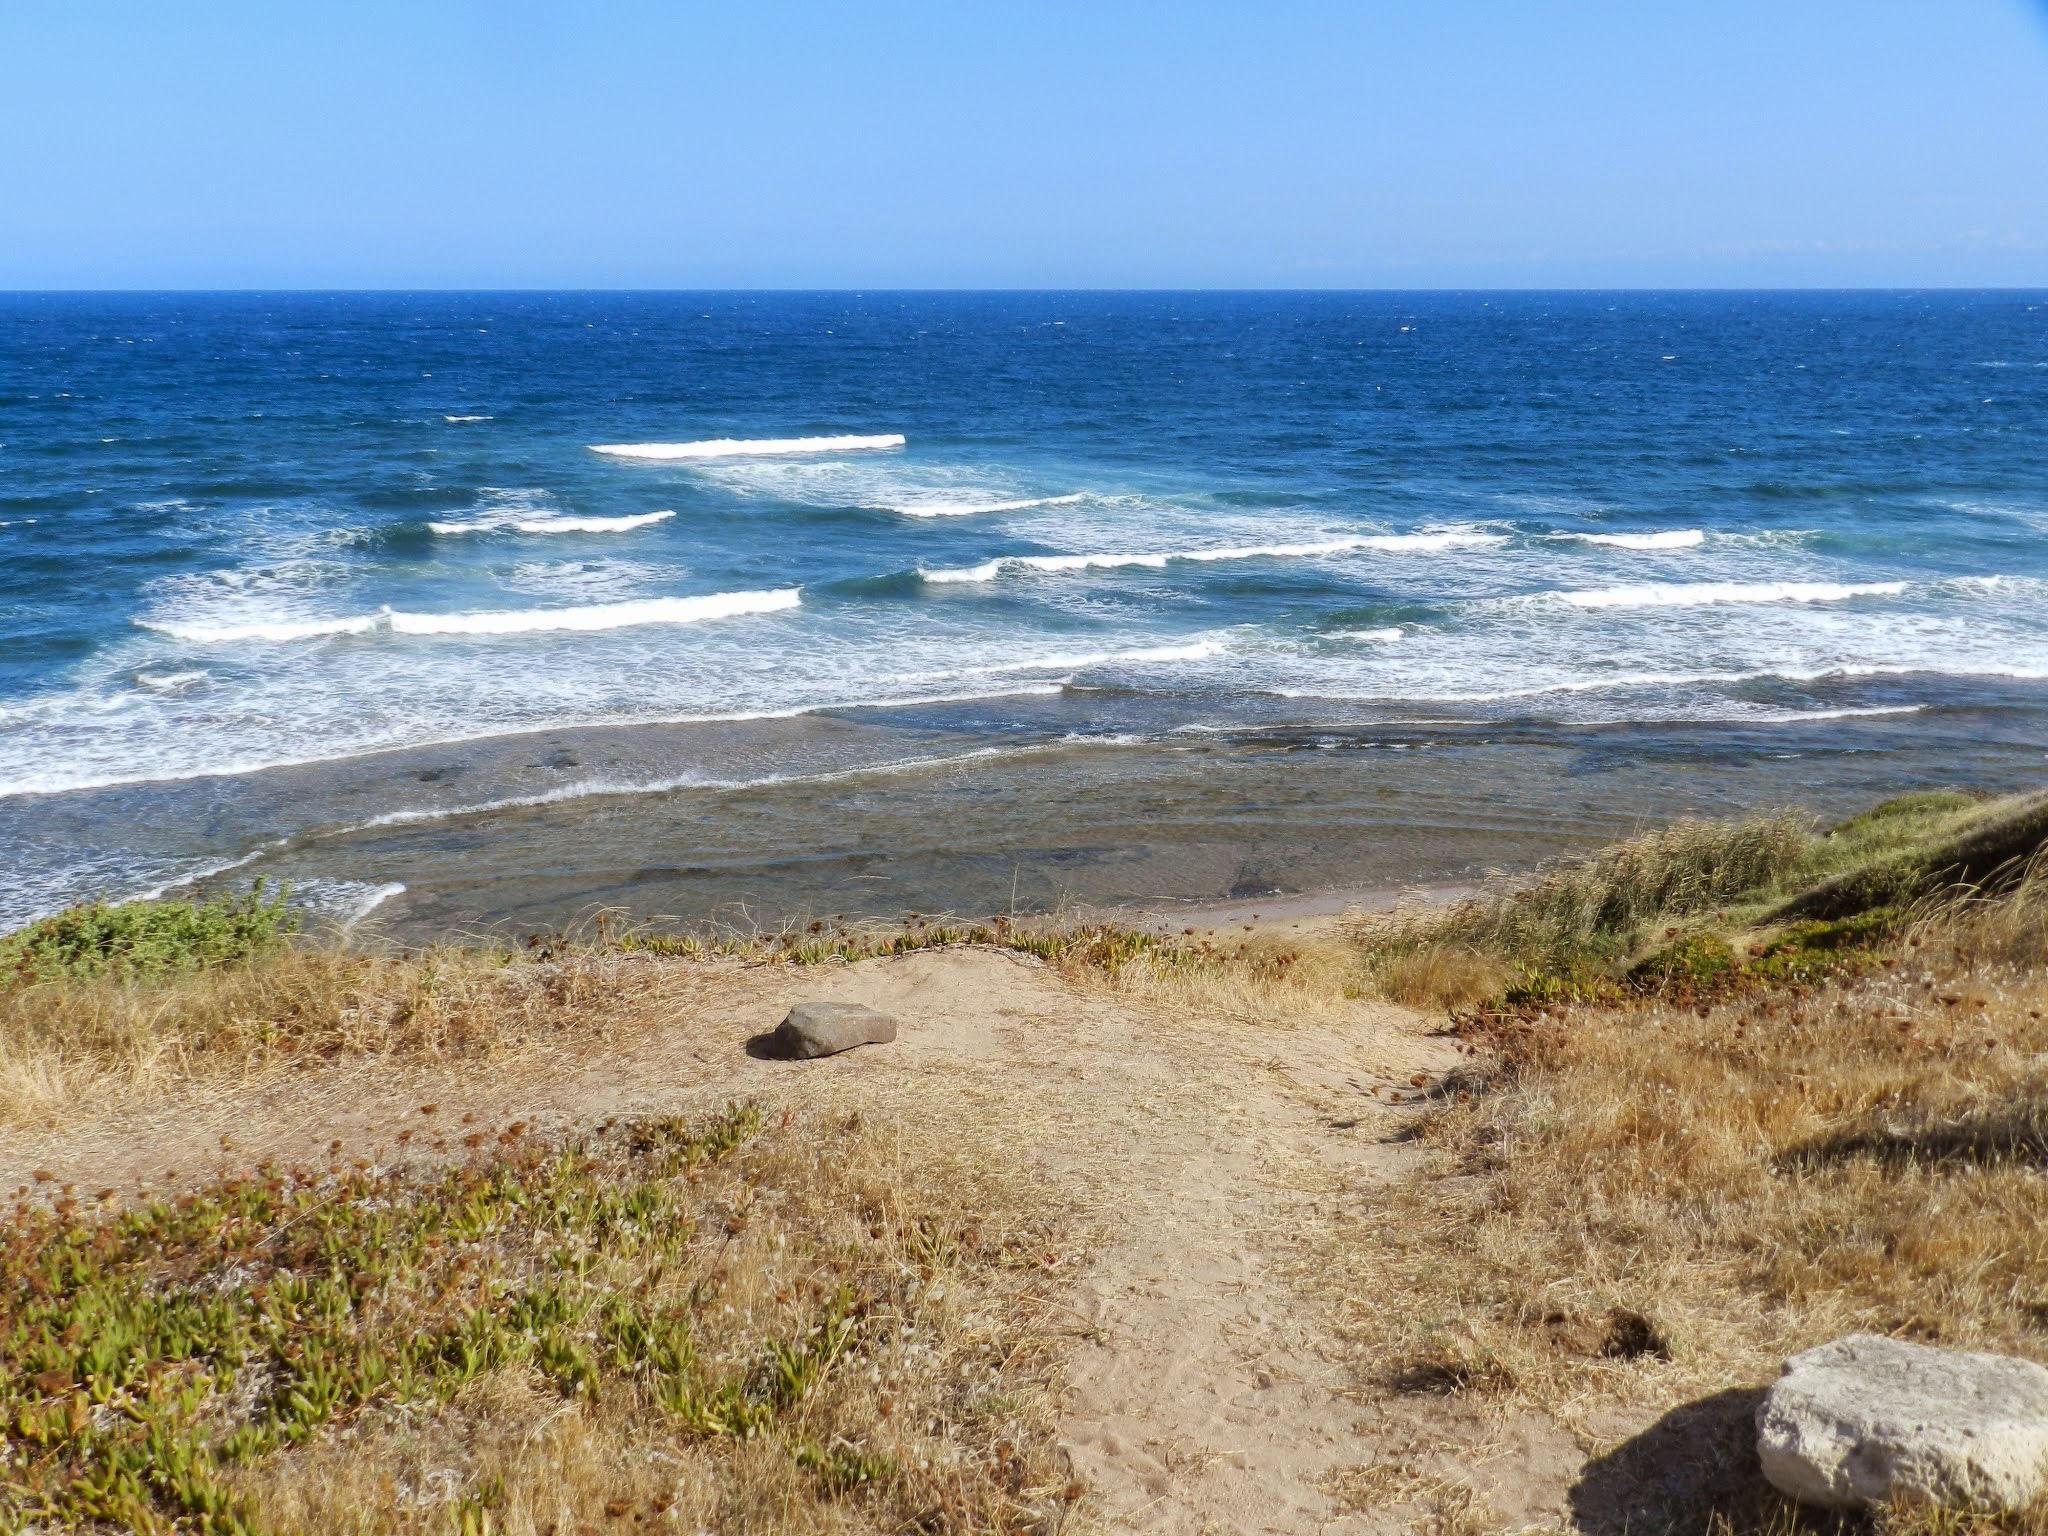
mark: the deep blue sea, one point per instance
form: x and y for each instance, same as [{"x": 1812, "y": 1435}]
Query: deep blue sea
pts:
[{"x": 244, "y": 537}]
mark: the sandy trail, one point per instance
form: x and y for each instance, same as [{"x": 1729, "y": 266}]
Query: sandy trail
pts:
[{"x": 1199, "y": 1151}]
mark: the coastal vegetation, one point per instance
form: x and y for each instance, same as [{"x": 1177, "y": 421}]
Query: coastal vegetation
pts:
[{"x": 1721, "y": 1092}]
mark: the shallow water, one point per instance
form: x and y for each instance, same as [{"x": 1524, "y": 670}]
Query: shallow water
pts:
[{"x": 1157, "y": 596}]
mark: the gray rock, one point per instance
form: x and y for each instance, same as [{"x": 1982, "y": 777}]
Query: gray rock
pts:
[
  {"x": 1866, "y": 1419},
  {"x": 824, "y": 1029}
]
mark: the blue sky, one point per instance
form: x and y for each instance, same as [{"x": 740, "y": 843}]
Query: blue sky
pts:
[{"x": 1376, "y": 143}]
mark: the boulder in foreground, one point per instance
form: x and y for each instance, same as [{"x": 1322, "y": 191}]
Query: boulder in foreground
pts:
[
  {"x": 1866, "y": 1419},
  {"x": 825, "y": 1029}
]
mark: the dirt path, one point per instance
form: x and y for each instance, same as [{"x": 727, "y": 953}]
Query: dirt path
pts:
[{"x": 1200, "y": 1151}]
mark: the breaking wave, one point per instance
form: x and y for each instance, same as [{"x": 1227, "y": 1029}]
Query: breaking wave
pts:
[
  {"x": 553, "y": 524},
  {"x": 1413, "y": 543},
  {"x": 1674, "y": 538},
  {"x": 970, "y": 508},
  {"x": 740, "y": 447},
  {"x": 517, "y": 621},
  {"x": 1701, "y": 593}
]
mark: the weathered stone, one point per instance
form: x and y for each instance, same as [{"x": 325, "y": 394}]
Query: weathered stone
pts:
[
  {"x": 1865, "y": 1419},
  {"x": 824, "y": 1029}
]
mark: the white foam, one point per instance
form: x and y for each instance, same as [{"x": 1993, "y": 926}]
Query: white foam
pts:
[
  {"x": 1385, "y": 636},
  {"x": 265, "y": 629},
  {"x": 461, "y": 419},
  {"x": 1853, "y": 714},
  {"x": 607, "y": 789},
  {"x": 1419, "y": 543},
  {"x": 347, "y": 902},
  {"x": 737, "y": 447},
  {"x": 515, "y": 621},
  {"x": 1674, "y": 538},
  {"x": 971, "y": 508},
  {"x": 171, "y": 681},
  {"x": 1193, "y": 650},
  {"x": 1692, "y": 594},
  {"x": 561, "y": 524}
]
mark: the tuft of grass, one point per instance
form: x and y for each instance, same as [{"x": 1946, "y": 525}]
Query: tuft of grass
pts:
[
  {"x": 703, "y": 1323},
  {"x": 1931, "y": 854},
  {"x": 1560, "y": 936},
  {"x": 1748, "y": 1172},
  {"x": 139, "y": 940}
]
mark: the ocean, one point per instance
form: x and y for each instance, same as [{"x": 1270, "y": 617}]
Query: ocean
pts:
[{"x": 502, "y": 607}]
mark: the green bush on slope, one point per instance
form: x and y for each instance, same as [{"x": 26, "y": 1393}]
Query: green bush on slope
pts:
[{"x": 146, "y": 938}]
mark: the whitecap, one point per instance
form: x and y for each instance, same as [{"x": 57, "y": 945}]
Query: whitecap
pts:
[
  {"x": 456, "y": 419},
  {"x": 735, "y": 447},
  {"x": 171, "y": 681},
  {"x": 553, "y": 524},
  {"x": 516, "y": 621},
  {"x": 1691, "y": 594},
  {"x": 1415, "y": 543},
  {"x": 971, "y": 508},
  {"x": 1674, "y": 538},
  {"x": 1384, "y": 636}
]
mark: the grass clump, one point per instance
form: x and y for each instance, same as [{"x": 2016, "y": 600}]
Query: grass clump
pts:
[
  {"x": 1563, "y": 935},
  {"x": 706, "y": 1322},
  {"x": 137, "y": 940},
  {"x": 1987, "y": 846},
  {"x": 1849, "y": 1135}
]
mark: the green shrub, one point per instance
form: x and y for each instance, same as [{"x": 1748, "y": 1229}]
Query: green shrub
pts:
[
  {"x": 146, "y": 938},
  {"x": 1807, "y": 952},
  {"x": 1695, "y": 963}
]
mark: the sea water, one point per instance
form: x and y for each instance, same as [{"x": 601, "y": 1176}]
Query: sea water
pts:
[{"x": 273, "y": 568}]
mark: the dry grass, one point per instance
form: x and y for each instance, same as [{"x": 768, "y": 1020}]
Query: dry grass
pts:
[
  {"x": 803, "y": 1325},
  {"x": 71, "y": 1042},
  {"x": 64, "y": 1043},
  {"x": 1640, "y": 1203}
]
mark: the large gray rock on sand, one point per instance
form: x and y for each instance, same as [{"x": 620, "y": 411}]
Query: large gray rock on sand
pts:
[
  {"x": 1866, "y": 1419},
  {"x": 825, "y": 1029}
]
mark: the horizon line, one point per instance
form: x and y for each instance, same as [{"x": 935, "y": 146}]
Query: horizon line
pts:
[{"x": 872, "y": 288}]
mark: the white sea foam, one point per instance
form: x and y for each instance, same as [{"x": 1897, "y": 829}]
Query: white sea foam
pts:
[
  {"x": 1692, "y": 594},
  {"x": 1673, "y": 538},
  {"x": 516, "y": 621},
  {"x": 462, "y": 419},
  {"x": 607, "y": 789},
  {"x": 553, "y": 524},
  {"x": 346, "y": 902},
  {"x": 735, "y": 447},
  {"x": 1410, "y": 543},
  {"x": 1193, "y": 650},
  {"x": 1385, "y": 636},
  {"x": 970, "y": 508},
  {"x": 170, "y": 682},
  {"x": 265, "y": 629}
]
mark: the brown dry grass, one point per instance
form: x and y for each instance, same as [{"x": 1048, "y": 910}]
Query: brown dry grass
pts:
[
  {"x": 70, "y": 1042},
  {"x": 1639, "y": 1204}
]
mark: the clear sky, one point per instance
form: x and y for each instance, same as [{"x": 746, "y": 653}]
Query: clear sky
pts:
[{"x": 1183, "y": 143}]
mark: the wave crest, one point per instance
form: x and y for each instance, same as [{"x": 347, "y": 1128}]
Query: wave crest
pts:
[
  {"x": 553, "y": 524},
  {"x": 970, "y": 508},
  {"x": 1409, "y": 543},
  {"x": 515, "y": 621},
  {"x": 1702, "y": 593},
  {"x": 1673, "y": 538},
  {"x": 741, "y": 447}
]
